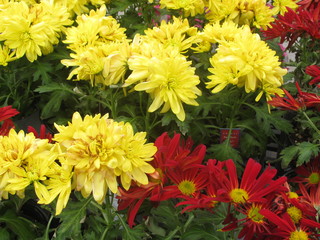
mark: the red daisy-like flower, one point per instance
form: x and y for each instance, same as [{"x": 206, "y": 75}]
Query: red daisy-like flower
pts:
[
  {"x": 254, "y": 187},
  {"x": 311, "y": 195},
  {"x": 294, "y": 24},
  {"x": 5, "y": 114},
  {"x": 287, "y": 102},
  {"x": 173, "y": 155},
  {"x": 285, "y": 228},
  {"x": 309, "y": 173},
  {"x": 43, "y": 134},
  {"x": 185, "y": 184},
  {"x": 314, "y": 71},
  {"x": 254, "y": 224}
]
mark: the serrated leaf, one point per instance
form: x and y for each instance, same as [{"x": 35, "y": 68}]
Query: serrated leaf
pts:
[
  {"x": 306, "y": 151},
  {"x": 224, "y": 151},
  {"x": 135, "y": 233},
  {"x": 266, "y": 120},
  {"x": 43, "y": 70},
  {"x": 52, "y": 87},
  {"x": 198, "y": 233},
  {"x": 17, "y": 225},
  {"x": 53, "y": 105},
  {"x": 288, "y": 154},
  {"x": 71, "y": 218}
]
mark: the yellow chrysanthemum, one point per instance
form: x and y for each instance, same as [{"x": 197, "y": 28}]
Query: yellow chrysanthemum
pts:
[
  {"x": 246, "y": 62},
  {"x": 216, "y": 33},
  {"x": 6, "y": 55},
  {"x": 166, "y": 75},
  {"x": 94, "y": 29},
  {"x": 253, "y": 13},
  {"x": 78, "y": 7},
  {"x": 190, "y": 7},
  {"x": 104, "y": 64},
  {"x": 100, "y": 150},
  {"x": 24, "y": 160},
  {"x": 32, "y": 30},
  {"x": 280, "y": 6},
  {"x": 59, "y": 183},
  {"x": 177, "y": 34}
]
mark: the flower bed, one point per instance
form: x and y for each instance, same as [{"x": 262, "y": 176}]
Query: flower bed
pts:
[{"x": 159, "y": 119}]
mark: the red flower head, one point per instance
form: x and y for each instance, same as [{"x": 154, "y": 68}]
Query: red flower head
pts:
[
  {"x": 287, "y": 103},
  {"x": 43, "y": 134},
  {"x": 309, "y": 173},
  {"x": 285, "y": 228},
  {"x": 314, "y": 71},
  {"x": 5, "y": 114},
  {"x": 294, "y": 24},
  {"x": 177, "y": 169},
  {"x": 254, "y": 187}
]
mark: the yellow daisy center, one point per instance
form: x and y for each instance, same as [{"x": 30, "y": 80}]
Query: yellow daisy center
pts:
[
  {"x": 254, "y": 214},
  {"x": 298, "y": 235},
  {"x": 187, "y": 187},
  {"x": 295, "y": 214},
  {"x": 314, "y": 178},
  {"x": 239, "y": 195},
  {"x": 293, "y": 195}
]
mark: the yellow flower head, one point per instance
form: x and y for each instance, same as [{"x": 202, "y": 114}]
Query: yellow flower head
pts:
[
  {"x": 255, "y": 13},
  {"x": 24, "y": 160},
  {"x": 166, "y": 75},
  {"x": 32, "y": 30},
  {"x": 245, "y": 62},
  {"x": 177, "y": 34},
  {"x": 100, "y": 150},
  {"x": 6, "y": 55},
  {"x": 104, "y": 64},
  {"x": 189, "y": 7},
  {"x": 216, "y": 33},
  {"x": 280, "y": 6},
  {"x": 94, "y": 29}
]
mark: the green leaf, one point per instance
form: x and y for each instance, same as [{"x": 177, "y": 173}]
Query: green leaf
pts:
[
  {"x": 198, "y": 233},
  {"x": 307, "y": 150},
  {"x": 17, "y": 225},
  {"x": 42, "y": 71},
  {"x": 224, "y": 151},
  {"x": 71, "y": 219},
  {"x": 4, "y": 234},
  {"x": 53, "y": 87},
  {"x": 303, "y": 151},
  {"x": 266, "y": 120},
  {"x": 288, "y": 154}
]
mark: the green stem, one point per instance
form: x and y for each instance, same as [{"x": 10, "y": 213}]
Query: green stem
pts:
[
  {"x": 311, "y": 123},
  {"x": 46, "y": 234}
]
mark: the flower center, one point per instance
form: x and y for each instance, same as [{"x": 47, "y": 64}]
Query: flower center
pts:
[
  {"x": 298, "y": 235},
  {"x": 295, "y": 214},
  {"x": 254, "y": 214},
  {"x": 239, "y": 195},
  {"x": 292, "y": 195},
  {"x": 187, "y": 187},
  {"x": 314, "y": 178}
]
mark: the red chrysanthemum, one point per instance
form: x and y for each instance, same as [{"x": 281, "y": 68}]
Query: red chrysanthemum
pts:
[
  {"x": 286, "y": 229},
  {"x": 254, "y": 186},
  {"x": 314, "y": 71},
  {"x": 175, "y": 162},
  {"x": 5, "y": 114},
  {"x": 287, "y": 102},
  {"x": 294, "y": 24},
  {"x": 43, "y": 134},
  {"x": 308, "y": 173}
]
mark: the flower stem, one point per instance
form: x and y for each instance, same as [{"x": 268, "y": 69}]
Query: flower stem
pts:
[{"x": 311, "y": 123}]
